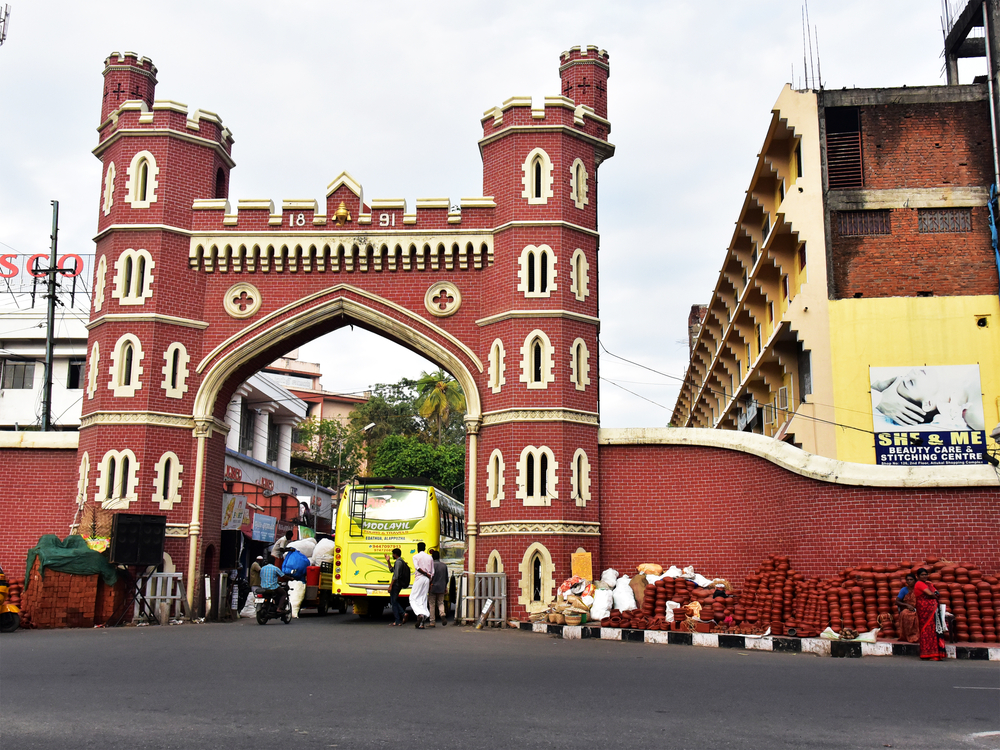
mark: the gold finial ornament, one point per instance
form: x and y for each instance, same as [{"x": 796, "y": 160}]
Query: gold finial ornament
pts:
[{"x": 343, "y": 215}]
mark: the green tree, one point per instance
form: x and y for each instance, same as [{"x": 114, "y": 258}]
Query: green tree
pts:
[
  {"x": 327, "y": 445},
  {"x": 439, "y": 395},
  {"x": 409, "y": 456}
]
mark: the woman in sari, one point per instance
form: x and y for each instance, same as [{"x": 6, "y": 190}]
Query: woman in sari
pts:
[
  {"x": 906, "y": 604},
  {"x": 931, "y": 641}
]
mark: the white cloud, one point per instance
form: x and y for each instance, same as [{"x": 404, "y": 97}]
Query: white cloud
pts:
[{"x": 393, "y": 92}]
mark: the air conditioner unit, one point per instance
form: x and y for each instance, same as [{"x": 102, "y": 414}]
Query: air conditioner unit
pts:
[{"x": 783, "y": 398}]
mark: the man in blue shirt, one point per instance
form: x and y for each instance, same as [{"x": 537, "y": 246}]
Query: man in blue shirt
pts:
[{"x": 270, "y": 577}]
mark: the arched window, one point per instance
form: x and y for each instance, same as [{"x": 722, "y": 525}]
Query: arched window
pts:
[
  {"x": 175, "y": 372},
  {"x": 220, "y": 184},
  {"x": 133, "y": 277},
  {"x": 494, "y": 564},
  {"x": 497, "y": 366},
  {"x": 536, "y": 577},
  {"x": 537, "y": 584},
  {"x": 537, "y": 271},
  {"x": 580, "y": 365},
  {"x": 126, "y": 368},
  {"x": 495, "y": 479},
  {"x": 140, "y": 188},
  {"x": 536, "y": 361},
  {"x": 578, "y": 178},
  {"x": 580, "y": 480},
  {"x": 537, "y": 177},
  {"x": 83, "y": 479},
  {"x": 92, "y": 370},
  {"x": 536, "y": 478},
  {"x": 118, "y": 480},
  {"x": 167, "y": 483},
  {"x": 579, "y": 277},
  {"x": 109, "y": 189},
  {"x": 99, "y": 282}
]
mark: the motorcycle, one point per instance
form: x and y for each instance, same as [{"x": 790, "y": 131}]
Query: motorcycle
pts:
[
  {"x": 10, "y": 617},
  {"x": 267, "y": 608}
]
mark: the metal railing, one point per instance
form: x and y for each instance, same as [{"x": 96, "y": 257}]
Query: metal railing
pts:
[
  {"x": 472, "y": 598},
  {"x": 165, "y": 593}
]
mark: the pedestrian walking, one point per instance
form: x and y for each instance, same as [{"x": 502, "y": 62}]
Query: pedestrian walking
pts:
[
  {"x": 400, "y": 580},
  {"x": 438, "y": 590},
  {"x": 423, "y": 571}
]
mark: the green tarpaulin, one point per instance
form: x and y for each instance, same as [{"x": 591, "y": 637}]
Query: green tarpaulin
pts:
[{"x": 70, "y": 555}]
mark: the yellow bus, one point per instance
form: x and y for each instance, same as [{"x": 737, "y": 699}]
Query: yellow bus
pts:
[{"x": 377, "y": 515}]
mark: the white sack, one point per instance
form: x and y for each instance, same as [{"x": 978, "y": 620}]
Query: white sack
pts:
[
  {"x": 603, "y": 602},
  {"x": 305, "y": 546},
  {"x": 672, "y": 572},
  {"x": 700, "y": 580},
  {"x": 323, "y": 552},
  {"x": 623, "y": 595},
  {"x": 296, "y": 595},
  {"x": 610, "y": 577},
  {"x": 671, "y": 606}
]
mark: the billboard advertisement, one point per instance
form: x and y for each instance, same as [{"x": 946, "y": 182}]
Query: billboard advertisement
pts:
[{"x": 928, "y": 415}]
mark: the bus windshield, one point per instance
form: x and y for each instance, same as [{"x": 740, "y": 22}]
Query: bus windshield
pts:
[{"x": 385, "y": 504}]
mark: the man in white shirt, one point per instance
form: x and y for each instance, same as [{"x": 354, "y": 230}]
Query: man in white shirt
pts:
[{"x": 423, "y": 571}]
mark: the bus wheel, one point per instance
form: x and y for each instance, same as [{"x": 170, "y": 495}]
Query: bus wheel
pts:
[{"x": 340, "y": 604}]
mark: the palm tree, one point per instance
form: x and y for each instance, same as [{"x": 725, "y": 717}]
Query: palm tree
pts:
[{"x": 438, "y": 395}]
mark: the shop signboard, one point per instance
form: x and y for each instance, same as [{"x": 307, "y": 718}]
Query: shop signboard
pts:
[
  {"x": 264, "y": 527},
  {"x": 23, "y": 273},
  {"x": 928, "y": 415},
  {"x": 233, "y": 512}
]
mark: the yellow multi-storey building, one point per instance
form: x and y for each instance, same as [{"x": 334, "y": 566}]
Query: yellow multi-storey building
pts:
[{"x": 860, "y": 277}]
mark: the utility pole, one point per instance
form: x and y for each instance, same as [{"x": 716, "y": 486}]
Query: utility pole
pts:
[{"x": 53, "y": 269}]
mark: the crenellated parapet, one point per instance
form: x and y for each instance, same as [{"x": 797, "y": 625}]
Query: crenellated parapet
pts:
[{"x": 345, "y": 212}]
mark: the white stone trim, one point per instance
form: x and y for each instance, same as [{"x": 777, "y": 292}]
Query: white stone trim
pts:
[
  {"x": 116, "y": 371},
  {"x": 579, "y": 275},
  {"x": 167, "y": 485},
  {"x": 534, "y": 260},
  {"x": 528, "y": 180},
  {"x": 578, "y": 179},
  {"x": 182, "y": 371},
  {"x": 132, "y": 183},
  {"x": 548, "y": 578},
  {"x": 109, "y": 188},
  {"x": 495, "y": 471},
  {"x": 83, "y": 479},
  {"x": 805, "y": 464},
  {"x": 580, "y": 478},
  {"x": 497, "y": 366},
  {"x": 93, "y": 368},
  {"x": 131, "y": 288},
  {"x": 100, "y": 282},
  {"x": 123, "y": 488},
  {"x": 548, "y": 364},
  {"x": 579, "y": 358},
  {"x": 528, "y": 495}
]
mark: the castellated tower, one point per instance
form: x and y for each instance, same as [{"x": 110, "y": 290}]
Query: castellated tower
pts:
[
  {"x": 538, "y": 501},
  {"x": 146, "y": 326}
]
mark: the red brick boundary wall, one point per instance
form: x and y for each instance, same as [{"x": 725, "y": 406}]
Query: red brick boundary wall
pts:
[
  {"x": 722, "y": 501},
  {"x": 37, "y": 493},
  {"x": 718, "y": 500}
]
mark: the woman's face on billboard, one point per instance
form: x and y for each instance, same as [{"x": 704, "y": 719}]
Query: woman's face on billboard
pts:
[{"x": 920, "y": 387}]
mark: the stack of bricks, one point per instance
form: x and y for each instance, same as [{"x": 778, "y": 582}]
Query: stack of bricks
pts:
[{"x": 60, "y": 600}]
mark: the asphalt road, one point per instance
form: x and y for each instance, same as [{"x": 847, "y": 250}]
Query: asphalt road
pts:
[{"x": 342, "y": 682}]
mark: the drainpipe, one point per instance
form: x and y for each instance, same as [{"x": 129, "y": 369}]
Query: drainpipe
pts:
[{"x": 989, "y": 81}]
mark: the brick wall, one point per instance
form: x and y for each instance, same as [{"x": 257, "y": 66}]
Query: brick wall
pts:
[
  {"x": 906, "y": 262},
  {"x": 724, "y": 511},
  {"x": 38, "y": 497}
]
